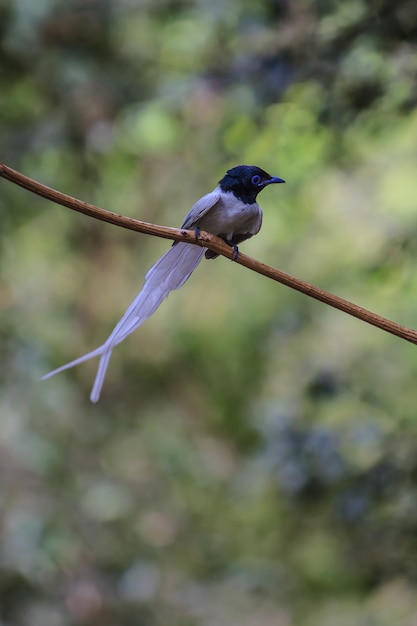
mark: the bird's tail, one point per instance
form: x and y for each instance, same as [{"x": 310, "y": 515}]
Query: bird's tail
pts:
[{"x": 169, "y": 272}]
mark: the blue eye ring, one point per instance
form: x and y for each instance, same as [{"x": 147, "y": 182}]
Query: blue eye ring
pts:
[{"x": 255, "y": 180}]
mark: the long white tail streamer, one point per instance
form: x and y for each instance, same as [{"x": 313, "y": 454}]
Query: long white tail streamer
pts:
[{"x": 170, "y": 272}]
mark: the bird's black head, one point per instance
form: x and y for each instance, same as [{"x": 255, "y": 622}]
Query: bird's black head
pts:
[{"x": 246, "y": 181}]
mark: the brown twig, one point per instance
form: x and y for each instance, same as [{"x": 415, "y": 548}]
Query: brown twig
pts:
[{"x": 213, "y": 243}]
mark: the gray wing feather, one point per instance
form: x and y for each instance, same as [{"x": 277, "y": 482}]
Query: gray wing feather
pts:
[{"x": 200, "y": 208}]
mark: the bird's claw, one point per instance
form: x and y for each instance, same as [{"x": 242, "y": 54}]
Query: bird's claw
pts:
[
  {"x": 197, "y": 233},
  {"x": 235, "y": 253}
]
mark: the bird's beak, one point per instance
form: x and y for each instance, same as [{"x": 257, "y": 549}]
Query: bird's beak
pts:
[{"x": 274, "y": 179}]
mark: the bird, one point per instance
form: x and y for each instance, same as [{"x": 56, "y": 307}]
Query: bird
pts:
[{"x": 231, "y": 212}]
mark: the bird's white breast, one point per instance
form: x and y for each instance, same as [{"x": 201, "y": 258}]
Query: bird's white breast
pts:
[{"x": 232, "y": 216}]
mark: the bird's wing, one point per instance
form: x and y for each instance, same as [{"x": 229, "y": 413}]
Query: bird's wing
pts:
[
  {"x": 169, "y": 272},
  {"x": 200, "y": 208}
]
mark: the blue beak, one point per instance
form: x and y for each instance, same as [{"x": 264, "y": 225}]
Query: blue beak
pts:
[{"x": 274, "y": 179}]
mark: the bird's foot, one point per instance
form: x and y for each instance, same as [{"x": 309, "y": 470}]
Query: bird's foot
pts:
[
  {"x": 235, "y": 253},
  {"x": 197, "y": 233}
]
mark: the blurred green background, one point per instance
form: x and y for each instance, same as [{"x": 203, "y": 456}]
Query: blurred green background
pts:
[{"x": 253, "y": 458}]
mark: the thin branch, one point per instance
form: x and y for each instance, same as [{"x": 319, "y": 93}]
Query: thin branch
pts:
[{"x": 213, "y": 243}]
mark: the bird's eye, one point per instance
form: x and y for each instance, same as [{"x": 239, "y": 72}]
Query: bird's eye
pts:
[{"x": 255, "y": 180}]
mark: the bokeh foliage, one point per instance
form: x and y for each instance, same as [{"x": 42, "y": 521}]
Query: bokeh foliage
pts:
[{"x": 253, "y": 457}]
